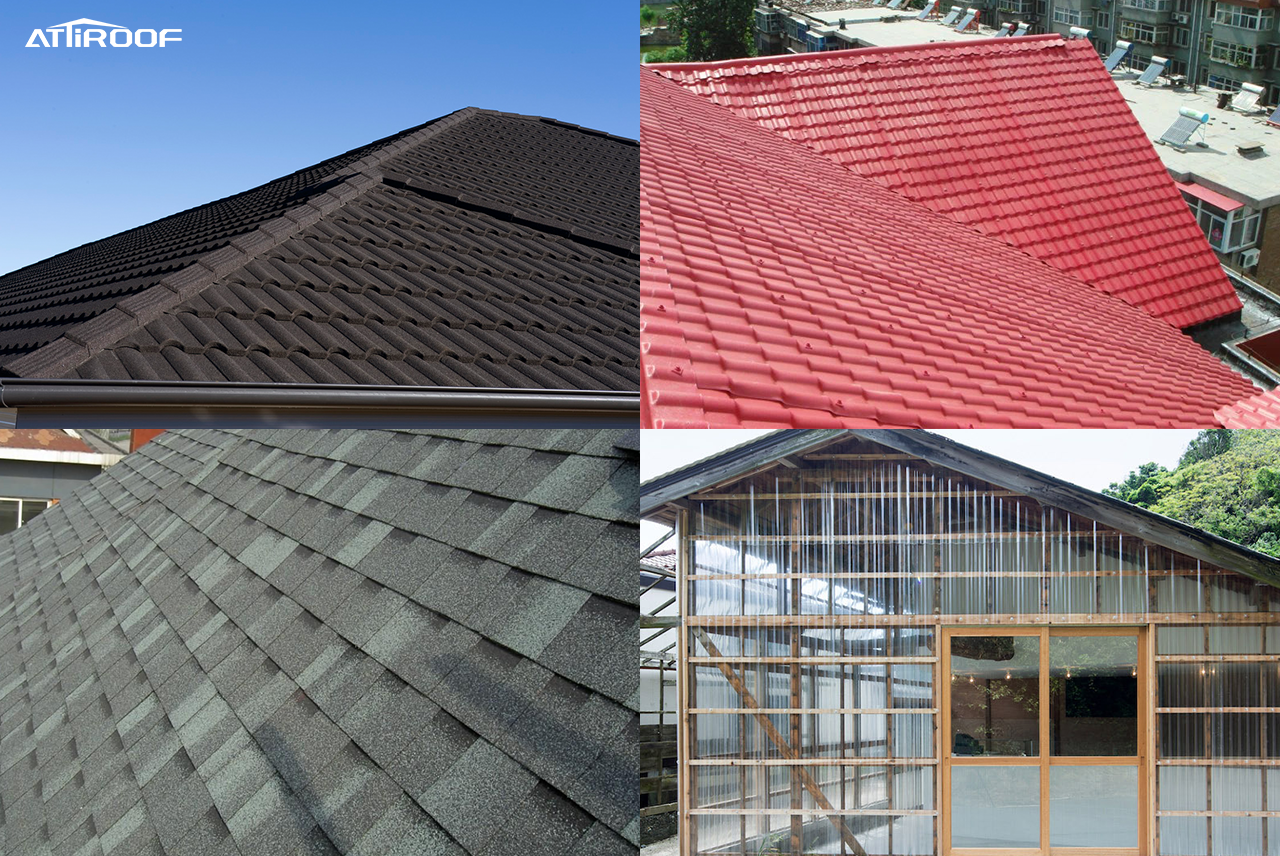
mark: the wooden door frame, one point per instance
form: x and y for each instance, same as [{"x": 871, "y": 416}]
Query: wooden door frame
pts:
[{"x": 1146, "y": 701}]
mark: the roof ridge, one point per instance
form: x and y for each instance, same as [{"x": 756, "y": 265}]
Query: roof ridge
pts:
[
  {"x": 74, "y": 346},
  {"x": 387, "y": 140},
  {"x": 662, "y": 69},
  {"x": 515, "y": 215}
]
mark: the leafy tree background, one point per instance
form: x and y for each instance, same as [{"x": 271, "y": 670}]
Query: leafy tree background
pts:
[
  {"x": 715, "y": 29},
  {"x": 1227, "y": 483}
]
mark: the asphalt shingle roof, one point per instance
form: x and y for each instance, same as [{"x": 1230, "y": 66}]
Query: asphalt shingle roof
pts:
[
  {"x": 1028, "y": 140},
  {"x": 253, "y": 642},
  {"x": 478, "y": 250},
  {"x": 779, "y": 289}
]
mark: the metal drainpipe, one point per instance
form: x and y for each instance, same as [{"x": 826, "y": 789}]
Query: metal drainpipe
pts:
[{"x": 1193, "y": 70}]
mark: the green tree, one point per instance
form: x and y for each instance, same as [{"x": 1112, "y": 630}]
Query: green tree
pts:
[
  {"x": 715, "y": 29},
  {"x": 1206, "y": 445},
  {"x": 1227, "y": 483},
  {"x": 1143, "y": 486},
  {"x": 675, "y": 53}
]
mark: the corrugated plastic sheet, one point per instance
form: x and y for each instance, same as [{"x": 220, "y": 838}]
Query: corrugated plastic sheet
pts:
[
  {"x": 1028, "y": 140},
  {"x": 780, "y": 289}
]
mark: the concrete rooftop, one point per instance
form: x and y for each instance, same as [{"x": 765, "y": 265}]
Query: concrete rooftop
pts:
[
  {"x": 1255, "y": 181},
  {"x": 879, "y": 26}
]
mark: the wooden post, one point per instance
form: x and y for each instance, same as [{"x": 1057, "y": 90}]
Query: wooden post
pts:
[
  {"x": 797, "y": 795},
  {"x": 685, "y": 692},
  {"x": 784, "y": 748}
]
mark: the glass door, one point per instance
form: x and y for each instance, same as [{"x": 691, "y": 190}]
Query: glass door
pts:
[{"x": 1045, "y": 729}]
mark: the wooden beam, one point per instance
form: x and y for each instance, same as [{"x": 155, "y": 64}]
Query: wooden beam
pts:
[{"x": 784, "y": 747}]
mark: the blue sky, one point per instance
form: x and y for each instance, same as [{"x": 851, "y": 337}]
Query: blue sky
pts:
[{"x": 98, "y": 140}]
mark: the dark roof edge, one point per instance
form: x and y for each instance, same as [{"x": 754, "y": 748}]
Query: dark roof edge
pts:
[
  {"x": 982, "y": 465},
  {"x": 731, "y": 464},
  {"x": 79, "y": 343},
  {"x": 181, "y": 404}
]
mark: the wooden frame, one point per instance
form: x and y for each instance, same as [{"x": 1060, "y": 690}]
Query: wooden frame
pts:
[
  {"x": 1168, "y": 577},
  {"x": 1045, "y": 760}
]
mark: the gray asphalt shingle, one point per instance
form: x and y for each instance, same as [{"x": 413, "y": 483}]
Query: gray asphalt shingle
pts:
[{"x": 376, "y": 643}]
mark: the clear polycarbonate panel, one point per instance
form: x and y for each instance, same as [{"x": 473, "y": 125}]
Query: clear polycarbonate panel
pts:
[
  {"x": 995, "y": 695},
  {"x": 1093, "y": 806},
  {"x": 1236, "y": 788},
  {"x": 1238, "y": 836},
  {"x": 1235, "y": 640},
  {"x": 995, "y": 807},
  {"x": 1093, "y": 695},
  {"x": 1184, "y": 836},
  {"x": 1183, "y": 789},
  {"x": 1180, "y": 640}
]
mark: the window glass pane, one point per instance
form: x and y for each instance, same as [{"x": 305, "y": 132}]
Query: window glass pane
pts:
[
  {"x": 1093, "y": 807},
  {"x": 1093, "y": 693},
  {"x": 30, "y": 508},
  {"x": 995, "y": 806},
  {"x": 995, "y": 695},
  {"x": 8, "y": 515}
]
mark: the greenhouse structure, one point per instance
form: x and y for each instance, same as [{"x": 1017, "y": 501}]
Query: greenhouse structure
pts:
[{"x": 891, "y": 643}]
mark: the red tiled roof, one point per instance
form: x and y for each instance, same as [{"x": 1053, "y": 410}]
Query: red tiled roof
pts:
[
  {"x": 1258, "y": 411},
  {"x": 663, "y": 560},
  {"x": 779, "y": 289},
  {"x": 50, "y": 439},
  {"x": 1026, "y": 139}
]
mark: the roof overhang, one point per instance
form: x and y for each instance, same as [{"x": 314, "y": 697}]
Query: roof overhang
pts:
[
  {"x": 660, "y": 497},
  {"x": 1204, "y": 194},
  {"x": 182, "y": 404}
]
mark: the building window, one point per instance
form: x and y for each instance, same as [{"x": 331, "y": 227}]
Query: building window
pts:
[
  {"x": 1224, "y": 84},
  {"x": 1146, "y": 33},
  {"x": 1149, "y": 5},
  {"x": 18, "y": 512},
  {"x": 1182, "y": 37},
  {"x": 1176, "y": 68},
  {"x": 1016, "y": 7},
  {"x": 1241, "y": 56},
  {"x": 1227, "y": 231},
  {"x": 1244, "y": 18},
  {"x": 1103, "y": 20},
  {"x": 1070, "y": 17}
]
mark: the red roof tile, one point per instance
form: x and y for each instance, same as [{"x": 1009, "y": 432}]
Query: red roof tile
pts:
[
  {"x": 779, "y": 289},
  {"x": 49, "y": 439},
  {"x": 1258, "y": 411},
  {"x": 1026, "y": 139}
]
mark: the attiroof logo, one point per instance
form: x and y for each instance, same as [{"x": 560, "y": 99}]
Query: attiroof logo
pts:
[{"x": 84, "y": 32}]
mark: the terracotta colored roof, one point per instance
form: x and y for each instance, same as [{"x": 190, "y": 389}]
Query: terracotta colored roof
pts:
[
  {"x": 1258, "y": 411},
  {"x": 1025, "y": 139},
  {"x": 664, "y": 560},
  {"x": 779, "y": 289},
  {"x": 49, "y": 439},
  {"x": 481, "y": 249}
]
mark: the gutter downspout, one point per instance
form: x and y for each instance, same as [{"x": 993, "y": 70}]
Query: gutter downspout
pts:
[{"x": 173, "y": 404}]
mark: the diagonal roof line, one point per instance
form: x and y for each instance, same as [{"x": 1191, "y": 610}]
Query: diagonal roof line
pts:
[
  {"x": 768, "y": 450},
  {"x": 77, "y": 344}
]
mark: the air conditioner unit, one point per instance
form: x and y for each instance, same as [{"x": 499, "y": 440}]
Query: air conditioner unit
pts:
[
  {"x": 1180, "y": 18},
  {"x": 1249, "y": 258}
]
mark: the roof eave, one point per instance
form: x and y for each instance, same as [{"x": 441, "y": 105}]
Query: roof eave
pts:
[
  {"x": 658, "y": 494},
  {"x": 40, "y": 403}
]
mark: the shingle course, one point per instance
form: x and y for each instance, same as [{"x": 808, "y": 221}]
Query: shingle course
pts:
[{"x": 357, "y": 701}]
